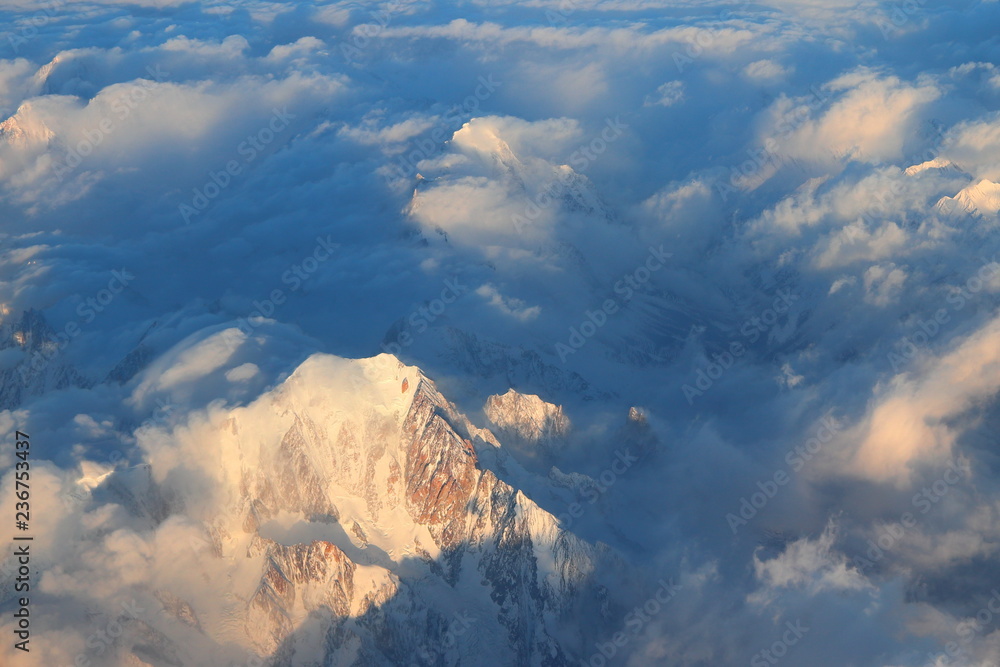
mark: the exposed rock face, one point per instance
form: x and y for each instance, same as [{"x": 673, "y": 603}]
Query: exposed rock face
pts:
[
  {"x": 314, "y": 576},
  {"x": 41, "y": 370},
  {"x": 637, "y": 432},
  {"x": 366, "y": 522},
  {"x": 527, "y": 418},
  {"x": 24, "y": 129},
  {"x": 440, "y": 470}
]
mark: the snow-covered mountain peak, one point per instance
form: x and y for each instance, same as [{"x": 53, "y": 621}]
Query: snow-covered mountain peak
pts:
[
  {"x": 936, "y": 164},
  {"x": 25, "y": 129},
  {"x": 526, "y": 417},
  {"x": 354, "y": 385},
  {"x": 354, "y": 490},
  {"x": 481, "y": 136},
  {"x": 982, "y": 197},
  {"x": 43, "y": 73},
  {"x": 480, "y": 139}
]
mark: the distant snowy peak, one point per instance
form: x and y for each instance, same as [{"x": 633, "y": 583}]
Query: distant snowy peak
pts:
[
  {"x": 481, "y": 193},
  {"x": 65, "y": 74},
  {"x": 578, "y": 194},
  {"x": 982, "y": 198},
  {"x": 482, "y": 139},
  {"x": 527, "y": 418},
  {"x": 25, "y": 129},
  {"x": 638, "y": 433},
  {"x": 636, "y": 416},
  {"x": 41, "y": 77},
  {"x": 938, "y": 164}
]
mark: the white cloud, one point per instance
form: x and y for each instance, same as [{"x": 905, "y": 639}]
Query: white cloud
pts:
[
  {"x": 909, "y": 421},
  {"x": 510, "y": 201},
  {"x": 514, "y": 307},
  {"x": 667, "y": 94},
  {"x": 870, "y": 118},
  {"x": 764, "y": 70},
  {"x": 810, "y": 564}
]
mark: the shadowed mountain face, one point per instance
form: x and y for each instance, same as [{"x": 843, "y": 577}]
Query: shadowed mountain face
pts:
[
  {"x": 38, "y": 368},
  {"x": 615, "y": 333},
  {"x": 349, "y": 507}
]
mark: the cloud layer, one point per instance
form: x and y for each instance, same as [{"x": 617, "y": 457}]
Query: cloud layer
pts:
[{"x": 752, "y": 221}]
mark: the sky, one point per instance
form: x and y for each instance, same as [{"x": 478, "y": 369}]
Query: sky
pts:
[{"x": 771, "y": 227}]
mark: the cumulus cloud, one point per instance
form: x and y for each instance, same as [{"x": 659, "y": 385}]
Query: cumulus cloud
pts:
[
  {"x": 667, "y": 94},
  {"x": 865, "y": 117},
  {"x": 909, "y": 422},
  {"x": 752, "y": 220}
]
